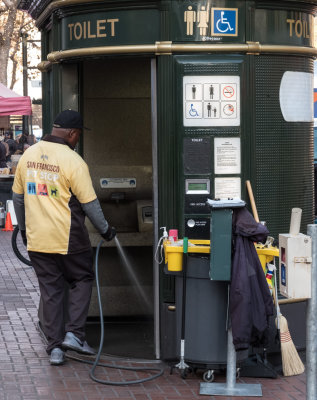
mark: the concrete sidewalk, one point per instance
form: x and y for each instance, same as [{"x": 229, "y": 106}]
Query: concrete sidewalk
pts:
[{"x": 25, "y": 372}]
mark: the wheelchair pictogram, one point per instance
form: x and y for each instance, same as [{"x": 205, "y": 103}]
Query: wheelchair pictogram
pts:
[
  {"x": 223, "y": 25},
  {"x": 193, "y": 112},
  {"x": 224, "y": 21}
]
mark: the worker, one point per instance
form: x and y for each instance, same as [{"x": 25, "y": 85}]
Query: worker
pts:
[{"x": 52, "y": 193}]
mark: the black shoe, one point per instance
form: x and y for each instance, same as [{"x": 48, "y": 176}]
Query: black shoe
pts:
[
  {"x": 57, "y": 356},
  {"x": 71, "y": 342}
]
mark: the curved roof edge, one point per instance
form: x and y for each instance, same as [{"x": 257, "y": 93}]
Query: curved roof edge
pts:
[{"x": 36, "y": 7}]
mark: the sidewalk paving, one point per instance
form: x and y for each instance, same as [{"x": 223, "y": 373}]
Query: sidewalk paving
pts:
[{"x": 25, "y": 372}]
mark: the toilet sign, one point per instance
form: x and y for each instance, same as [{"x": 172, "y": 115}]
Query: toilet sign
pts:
[{"x": 211, "y": 100}]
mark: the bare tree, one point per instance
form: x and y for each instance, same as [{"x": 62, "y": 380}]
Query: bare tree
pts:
[
  {"x": 13, "y": 23},
  {"x": 8, "y": 17}
]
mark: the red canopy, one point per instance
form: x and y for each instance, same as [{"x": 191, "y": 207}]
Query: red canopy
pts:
[{"x": 12, "y": 103}]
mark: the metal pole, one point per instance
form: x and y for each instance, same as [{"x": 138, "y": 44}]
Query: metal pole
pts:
[
  {"x": 231, "y": 362},
  {"x": 311, "y": 323},
  {"x": 156, "y": 266},
  {"x": 231, "y": 388},
  {"x": 25, "y": 120}
]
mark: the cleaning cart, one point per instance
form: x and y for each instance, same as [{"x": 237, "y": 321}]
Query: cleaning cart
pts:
[
  {"x": 208, "y": 333},
  {"x": 205, "y": 311},
  {"x": 208, "y": 269}
]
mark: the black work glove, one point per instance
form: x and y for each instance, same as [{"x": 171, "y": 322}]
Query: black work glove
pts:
[
  {"x": 110, "y": 234},
  {"x": 24, "y": 239}
]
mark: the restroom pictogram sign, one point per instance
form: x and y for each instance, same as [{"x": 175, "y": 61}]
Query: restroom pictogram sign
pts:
[{"x": 211, "y": 100}]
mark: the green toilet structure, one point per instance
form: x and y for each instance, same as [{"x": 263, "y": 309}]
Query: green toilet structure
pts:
[{"x": 186, "y": 100}]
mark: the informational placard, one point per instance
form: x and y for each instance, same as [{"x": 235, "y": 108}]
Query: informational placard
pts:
[
  {"x": 211, "y": 100},
  {"x": 227, "y": 188},
  {"x": 227, "y": 155}
]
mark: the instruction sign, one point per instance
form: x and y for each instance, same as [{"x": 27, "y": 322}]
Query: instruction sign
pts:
[
  {"x": 211, "y": 100},
  {"x": 227, "y": 188},
  {"x": 227, "y": 155}
]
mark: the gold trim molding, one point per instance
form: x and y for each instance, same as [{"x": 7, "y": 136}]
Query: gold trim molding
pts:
[{"x": 168, "y": 48}]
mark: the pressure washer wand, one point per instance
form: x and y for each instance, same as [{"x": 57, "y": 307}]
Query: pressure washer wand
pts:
[{"x": 182, "y": 365}]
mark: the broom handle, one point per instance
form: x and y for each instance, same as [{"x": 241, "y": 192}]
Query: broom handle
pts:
[{"x": 253, "y": 206}]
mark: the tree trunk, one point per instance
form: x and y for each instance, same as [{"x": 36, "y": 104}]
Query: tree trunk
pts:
[{"x": 5, "y": 41}]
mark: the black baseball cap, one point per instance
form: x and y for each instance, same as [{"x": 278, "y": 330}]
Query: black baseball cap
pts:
[{"x": 69, "y": 119}]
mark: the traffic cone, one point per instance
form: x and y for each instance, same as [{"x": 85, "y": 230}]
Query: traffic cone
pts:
[{"x": 8, "y": 225}]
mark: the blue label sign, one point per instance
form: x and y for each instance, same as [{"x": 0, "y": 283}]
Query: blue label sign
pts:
[
  {"x": 224, "y": 21},
  {"x": 283, "y": 274},
  {"x": 31, "y": 187}
]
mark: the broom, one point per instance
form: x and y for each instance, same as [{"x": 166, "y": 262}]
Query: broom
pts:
[{"x": 292, "y": 364}]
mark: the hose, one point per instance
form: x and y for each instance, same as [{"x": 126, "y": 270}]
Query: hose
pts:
[
  {"x": 15, "y": 248},
  {"x": 96, "y": 362}
]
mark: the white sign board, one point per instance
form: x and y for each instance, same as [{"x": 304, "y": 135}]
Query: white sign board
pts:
[
  {"x": 211, "y": 100},
  {"x": 297, "y": 96},
  {"x": 227, "y": 188},
  {"x": 227, "y": 155}
]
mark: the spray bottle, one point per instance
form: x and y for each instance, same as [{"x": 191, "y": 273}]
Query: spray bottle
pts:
[
  {"x": 173, "y": 236},
  {"x": 269, "y": 276}
]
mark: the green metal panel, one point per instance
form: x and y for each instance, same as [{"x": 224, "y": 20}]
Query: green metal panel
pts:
[
  {"x": 167, "y": 155},
  {"x": 220, "y": 244},
  {"x": 207, "y": 65},
  {"x": 283, "y": 166},
  {"x": 186, "y": 21}
]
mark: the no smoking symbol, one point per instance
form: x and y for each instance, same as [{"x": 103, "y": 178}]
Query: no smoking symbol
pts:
[{"x": 228, "y": 91}]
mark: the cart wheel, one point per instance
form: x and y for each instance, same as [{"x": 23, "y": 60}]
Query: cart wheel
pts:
[{"x": 209, "y": 376}]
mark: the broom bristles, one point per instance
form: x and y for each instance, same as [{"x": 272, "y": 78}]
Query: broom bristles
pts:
[{"x": 292, "y": 364}]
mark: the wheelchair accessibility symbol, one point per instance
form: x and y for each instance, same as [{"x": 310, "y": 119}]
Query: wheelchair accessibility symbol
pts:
[
  {"x": 194, "y": 110},
  {"x": 224, "y": 22}
]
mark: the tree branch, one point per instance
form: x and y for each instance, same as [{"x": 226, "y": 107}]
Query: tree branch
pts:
[{"x": 9, "y": 3}]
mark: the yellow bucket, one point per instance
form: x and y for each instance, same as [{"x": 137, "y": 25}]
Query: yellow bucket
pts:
[
  {"x": 266, "y": 254},
  {"x": 174, "y": 254}
]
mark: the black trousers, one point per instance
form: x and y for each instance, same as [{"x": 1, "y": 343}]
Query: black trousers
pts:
[{"x": 56, "y": 272}]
